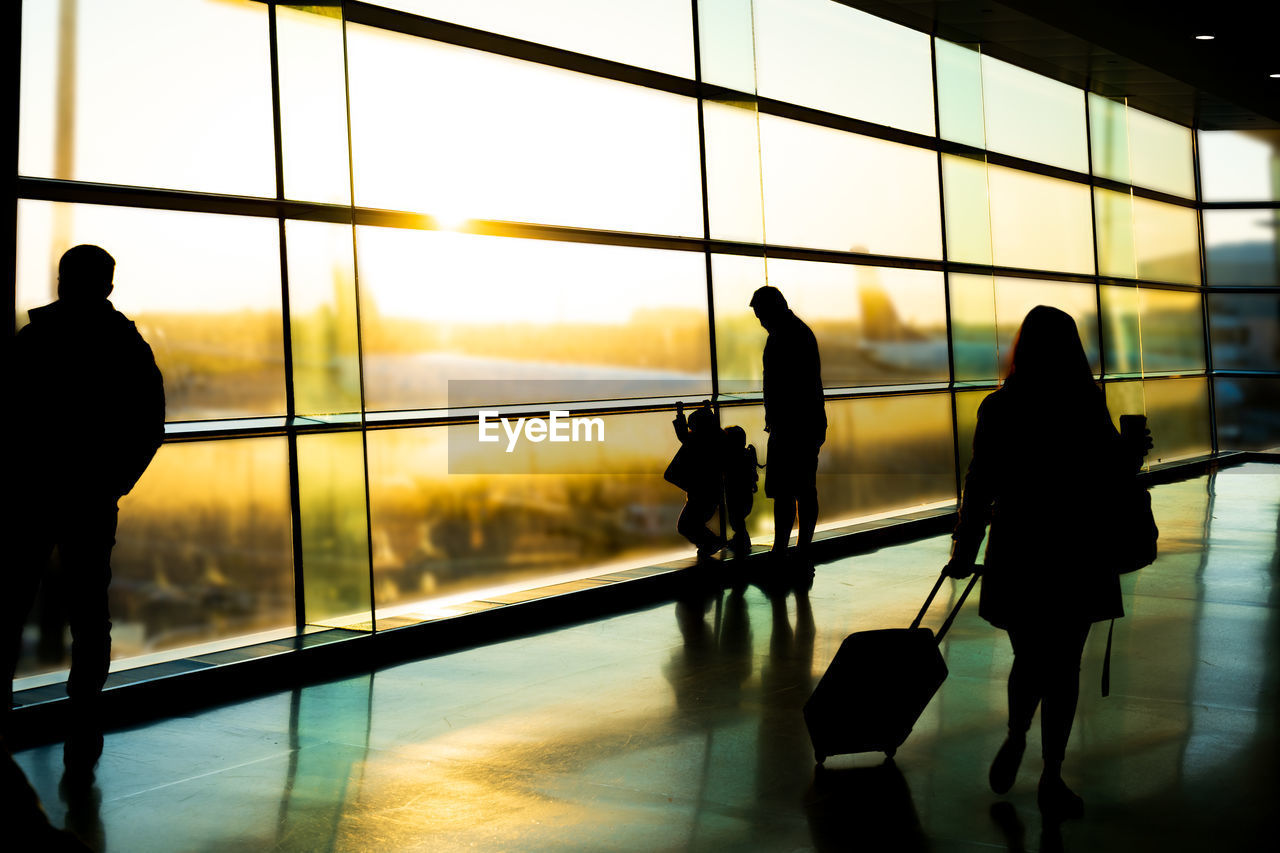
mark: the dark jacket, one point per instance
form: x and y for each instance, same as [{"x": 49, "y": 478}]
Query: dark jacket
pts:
[
  {"x": 88, "y": 398},
  {"x": 793, "y": 399},
  {"x": 1044, "y": 469},
  {"x": 696, "y": 466}
]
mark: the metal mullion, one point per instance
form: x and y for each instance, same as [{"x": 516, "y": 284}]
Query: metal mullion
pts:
[
  {"x": 706, "y": 254},
  {"x": 1148, "y": 284},
  {"x": 295, "y": 489},
  {"x": 355, "y": 284},
  {"x": 1243, "y": 288},
  {"x": 836, "y": 121},
  {"x": 706, "y": 207},
  {"x": 13, "y": 110},
  {"x": 1204, "y": 295},
  {"x": 1149, "y": 194},
  {"x": 946, "y": 280},
  {"x": 459, "y": 35},
  {"x": 1097, "y": 267},
  {"x": 1232, "y": 205},
  {"x": 86, "y": 192}
]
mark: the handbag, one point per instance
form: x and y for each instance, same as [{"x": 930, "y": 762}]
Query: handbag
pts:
[
  {"x": 1134, "y": 539},
  {"x": 1133, "y": 544}
]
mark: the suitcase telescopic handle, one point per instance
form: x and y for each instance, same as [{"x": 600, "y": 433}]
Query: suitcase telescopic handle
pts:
[{"x": 951, "y": 617}]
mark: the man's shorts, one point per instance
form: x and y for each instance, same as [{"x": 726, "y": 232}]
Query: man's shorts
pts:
[{"x": 792, "y": 467}]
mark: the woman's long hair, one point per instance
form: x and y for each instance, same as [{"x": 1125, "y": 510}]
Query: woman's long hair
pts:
[{"x": 1048, "y": 357}]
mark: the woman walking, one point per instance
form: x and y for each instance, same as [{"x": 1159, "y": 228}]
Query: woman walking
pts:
[{"x": 1045, "y": 458}]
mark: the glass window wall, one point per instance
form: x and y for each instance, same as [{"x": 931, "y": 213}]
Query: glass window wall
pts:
[
  {"x": 1150, "y": 240},
  {"x": 154, "y": 93},
  {"x": 203, "y": 289},
  {"x": 875, "y": 326},
  {"x": 1137, "y": 148},
  {"x": 835, "y": 58},
  {"x": 1245, "y": 330},
  {"x": 1010, "y": 218},
  {"x": 513, "y": 140},
  {"x": 1241, "y": 247},
  {"x": 536, "y": 318},
  {"x": 593, "y": 280},
  {"x": 652, "y": 34},
  {"x": 829, "y": 189},
  {"x": 1239, "y": 165},
  {"x": 203, "y": 558}
]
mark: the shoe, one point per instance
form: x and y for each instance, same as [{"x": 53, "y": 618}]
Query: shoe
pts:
[
  {"x": 1057, "y": 801},
  {"x": 709, "y": 549},
  {"x": 1004, "y": 768},
  {"x": 80, "y": 754}
]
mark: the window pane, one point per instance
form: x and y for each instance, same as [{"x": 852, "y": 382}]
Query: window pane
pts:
[
  {"x": 968, "y": 210},
  {"x": 162, "y": 93},
  {"x": 885, "y": 453},
  {"x": 1038, "y": 222},
  {"x": 1177, "y": 413},
  {"x": 1239, "y": 165},
  {"x": 591, "y": 152},
  {"x": 974, "y": 342},
  {"x": 441, "y": 306},
  {"x": 655, "y": 34},
  {"x": 1122, "y": 329},
  {"x": 322, "y": 322},
  {"x": 1248, "y": 413},
  {"x": 1241, "y": 247},
  {"x": 1245, "y": 331},
  {"x": 1113, "y": 213},
  {"x": 874, "y": 326},
  {"x": 1172, "y": 330},
  {"x": 1161, "y": 156},
  {"x": 313, "y": 104},
  {"x": 984, "y": 308},
  {"x": 1148, "y": 239},
  {"x": 967, "y": 403},
  {"x": 203, "y": 289},
  {"x": 829, "y": 56},
  {"x": 335, "y": 531},
  {"x": 438, "y": 534},
  {"x": 1166, "y": 240},
  {"x": 1031, "y": 116},
  {"x": 1150, "y": 331},
  {"x": 881, "y": 453},
  {"x": 727, "y": 40},
  {"x": 960, "y": 94},
  {"x": 1035, "y": 222},
  {"x": 735, "y": 203},
  {"x": 829, "y": 189},
  {"x": 1109, "y": 137},
  {"x": 203, "y": 553}
]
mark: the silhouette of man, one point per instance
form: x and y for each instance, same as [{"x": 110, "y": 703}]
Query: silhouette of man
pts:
[
  {"x": 795, "y": 418},
  {"x": 89, "y": 401}
]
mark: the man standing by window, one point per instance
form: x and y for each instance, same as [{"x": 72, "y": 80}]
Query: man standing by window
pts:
[
  {"x": 795, "y": 418},
  {"x": 89, "y": 406}
]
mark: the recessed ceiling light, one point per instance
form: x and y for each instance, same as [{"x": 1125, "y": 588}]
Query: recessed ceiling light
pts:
[{"x": 1204, "y": 38}]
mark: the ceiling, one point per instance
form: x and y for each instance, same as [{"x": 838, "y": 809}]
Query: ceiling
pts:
[{"x": 1143, "y": 50}]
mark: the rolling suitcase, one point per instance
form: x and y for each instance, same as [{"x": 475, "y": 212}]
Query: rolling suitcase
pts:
[{"x": 878, "y": 685}]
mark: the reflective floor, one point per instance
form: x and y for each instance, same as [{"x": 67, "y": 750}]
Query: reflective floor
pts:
[{"x": 679, "y": 727}]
